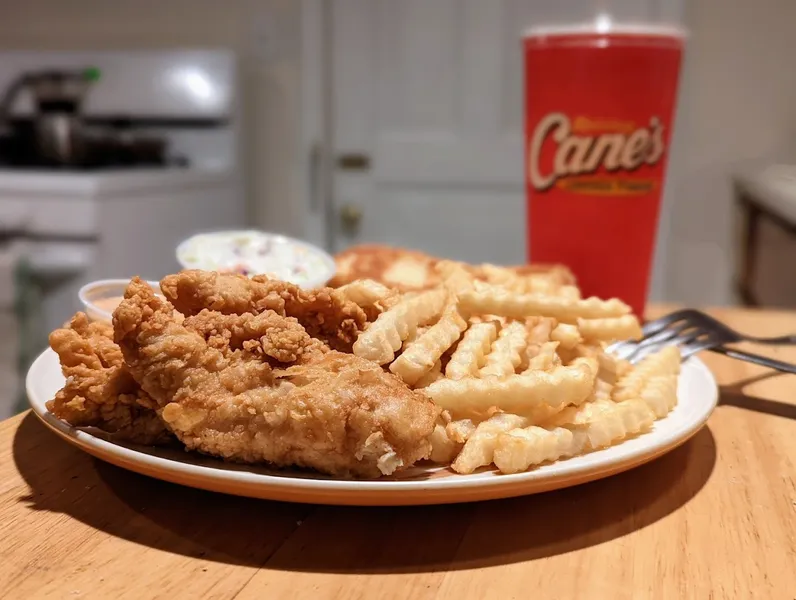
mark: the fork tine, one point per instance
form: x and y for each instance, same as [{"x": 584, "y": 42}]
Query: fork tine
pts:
[
  {"x": 653, "y": 333},
  {"x": 693, "y": 335},
  {"x": 663, "y": 331},
  {"x": 689, "y": 351},
  {"x": 684, "y": 336},
  {"x": 639, "y": 352},
  {"x": 652, "y": 327},
  {"x": 695, "y": 339},
  {"x": 664, "y": 334},
  {"x": 712, "y": 340},
  {"x": 622, "y": 349}
]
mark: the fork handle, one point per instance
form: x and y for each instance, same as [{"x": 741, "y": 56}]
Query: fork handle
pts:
[
  {"x": 784, "y": 340},
  {"x": 756, "y": 359}
]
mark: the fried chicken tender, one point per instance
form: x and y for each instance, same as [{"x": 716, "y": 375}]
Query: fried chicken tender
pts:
[
  {"x": 410, "y": 270},
  {"x": 323, "y": 312},
  {"x": 267, "y": 333},
  {"x": 329, "y": 411},
  {"x": 99, "y": 391},
  {"x": 399, "y": 268}
]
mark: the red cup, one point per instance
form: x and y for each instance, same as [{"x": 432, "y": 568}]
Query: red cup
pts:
[{"x": 599, "y": 115}]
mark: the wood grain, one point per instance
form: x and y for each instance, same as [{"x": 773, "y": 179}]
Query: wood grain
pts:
[{"x": 712, "y": 519}]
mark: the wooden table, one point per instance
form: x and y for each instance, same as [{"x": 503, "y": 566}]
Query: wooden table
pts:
[{"x": 715, "y": 518}]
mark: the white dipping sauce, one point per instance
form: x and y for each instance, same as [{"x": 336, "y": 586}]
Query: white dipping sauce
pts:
[{"x": 257, "y": 253}]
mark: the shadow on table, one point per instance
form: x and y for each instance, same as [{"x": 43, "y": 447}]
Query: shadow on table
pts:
[
  {"x": 734, "y": 395},
  {"x": 293, "y": 537}
]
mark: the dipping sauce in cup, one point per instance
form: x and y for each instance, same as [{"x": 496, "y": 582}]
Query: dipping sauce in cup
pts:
[
  {"x": 258, "y": 253},
  {"x": 100, "y": 298}
]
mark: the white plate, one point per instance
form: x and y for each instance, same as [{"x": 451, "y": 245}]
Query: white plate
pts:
[{"x": 698, "y": 395}]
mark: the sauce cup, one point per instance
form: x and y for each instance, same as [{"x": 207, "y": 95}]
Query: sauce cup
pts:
[{"x": 100, "y": 298}]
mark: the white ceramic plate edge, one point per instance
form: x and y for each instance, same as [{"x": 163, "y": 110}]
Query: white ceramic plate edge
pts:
[{"x": 463, "y": 488}]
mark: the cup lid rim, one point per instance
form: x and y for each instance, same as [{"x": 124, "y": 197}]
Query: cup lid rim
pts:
[{"x": 596, "y": 27}]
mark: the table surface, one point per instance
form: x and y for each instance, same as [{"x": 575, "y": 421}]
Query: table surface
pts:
[{"x": 715, "y": 518}]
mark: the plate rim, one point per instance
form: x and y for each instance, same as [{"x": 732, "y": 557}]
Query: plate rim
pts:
[{"x": 288, "y": 484}]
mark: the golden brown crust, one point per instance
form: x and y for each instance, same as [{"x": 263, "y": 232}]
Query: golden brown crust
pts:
[
  {"x": 399, "y": 268},
  {"x": 333, "y": 412},
  {"x": 412, "y": 270},
  {"x": 561, "y": 273},
  {"x": 324, "y": 313},
  {"x": 99, "y": 392},
  {"x": 268, "y": 334}
]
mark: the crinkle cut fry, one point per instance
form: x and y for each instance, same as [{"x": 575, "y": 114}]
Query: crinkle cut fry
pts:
[
  {"x": 460, "y": 430},
  {"x": 660, "y": 394},
  {"x": 382, "y": 339},
  {"x": 455, "y": 276},
  {"x": 470, "y": 354},
  {"x": 654, "y": 380},
  {"x": 500, "y": 302},
  {"x": 516, "y": 394},
  {"x": 366, "y": 292},
  {"x": 545, "y": 358},
  {"x": 630, "y": 386},
  {"x": 371, "y": 296},
  {"x": 540, "y": 329},
  {"x": 479, "y": 448},
  {"x": 420, "y": 356},
  {"x": 650, "y": 392},
  {"x": 435, "y": 374},
  {"x": 567, "y": 335},
  {"x": 443, "y": 448},
  {"x": 506, "y": 353},
  {"x": 610, "y": 329},
  {"x": 517, "y": 450}
]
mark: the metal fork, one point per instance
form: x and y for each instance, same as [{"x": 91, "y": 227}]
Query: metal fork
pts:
[{"x": 694, "y": 331}]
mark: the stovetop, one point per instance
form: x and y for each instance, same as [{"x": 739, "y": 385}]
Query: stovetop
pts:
[
  {"x": 34, "y": 166},
  {"x": 100, "y": 148}
]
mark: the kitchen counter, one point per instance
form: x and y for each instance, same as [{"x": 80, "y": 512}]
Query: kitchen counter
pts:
[
  {"x": 18, "y": 182},
  {"x": 712, "y": 519},
  {"x": 76, "y": 227}
]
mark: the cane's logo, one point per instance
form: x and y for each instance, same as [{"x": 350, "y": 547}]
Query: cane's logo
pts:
[{"x": 580, "y": 151}]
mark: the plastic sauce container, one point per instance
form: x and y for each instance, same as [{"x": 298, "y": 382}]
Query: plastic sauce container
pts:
[{"x": 100, "y": 298}]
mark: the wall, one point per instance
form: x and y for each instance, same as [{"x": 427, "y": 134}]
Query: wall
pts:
[
  {"x": 737, "y": 104},
  {"x": 265, "y": 35}
]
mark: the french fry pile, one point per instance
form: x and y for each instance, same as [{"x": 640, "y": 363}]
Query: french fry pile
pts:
[{"x": 518, "y": 362}]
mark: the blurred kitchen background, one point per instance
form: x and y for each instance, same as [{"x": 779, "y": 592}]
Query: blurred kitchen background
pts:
[{"x": 344, "y": 121}]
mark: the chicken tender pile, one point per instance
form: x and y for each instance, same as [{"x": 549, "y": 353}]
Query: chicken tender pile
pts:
[
  {"x": 241, "y": 376},
  {"x": 99, "y": 390}
]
